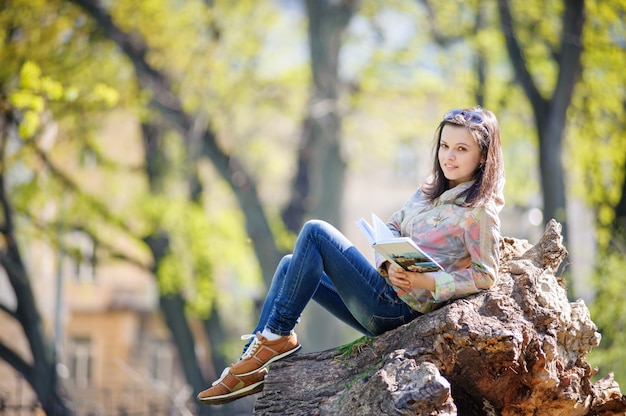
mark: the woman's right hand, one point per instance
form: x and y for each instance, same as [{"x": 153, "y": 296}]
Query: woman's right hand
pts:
[
  {"x": 406, "y": 280},
  {"x": 398, "y": 276}
]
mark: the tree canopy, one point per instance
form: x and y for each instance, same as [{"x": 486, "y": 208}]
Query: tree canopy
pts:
[{"x": 193, "y": 138}]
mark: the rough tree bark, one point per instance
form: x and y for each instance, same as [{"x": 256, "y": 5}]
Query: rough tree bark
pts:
[{"x": 516, "y": 349}]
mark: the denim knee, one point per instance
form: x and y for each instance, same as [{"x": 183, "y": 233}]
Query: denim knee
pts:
[
  {"x": 283, "y": 264},
  {"x": 310, "y": 227}
]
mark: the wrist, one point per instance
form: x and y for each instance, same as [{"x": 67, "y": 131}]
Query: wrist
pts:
[{"x": 428, "y": 281}]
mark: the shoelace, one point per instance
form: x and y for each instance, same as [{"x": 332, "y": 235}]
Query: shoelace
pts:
[
  {"x": 224, "y": 374},
  {"x": 249, "y": 352},
  {"x": 252, "y": 348}
]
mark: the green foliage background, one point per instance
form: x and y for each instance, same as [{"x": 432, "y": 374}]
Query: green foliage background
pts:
[{"x": 243, "y": 65}]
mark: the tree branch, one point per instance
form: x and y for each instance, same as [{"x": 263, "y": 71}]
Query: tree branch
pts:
[
  {"x": 165, "y": 102},
  {"x": 569, "y": 58},
  {"x": 135, "y": 49},
  {"x": 16, "y": 362},
  {"x": 98, "y": 206},
  {"x": 439, "y": 38},
  {"x": 8, "y": 311},
  {"x": 44, "y": 229},
  {"x": 517, "y": 59}
]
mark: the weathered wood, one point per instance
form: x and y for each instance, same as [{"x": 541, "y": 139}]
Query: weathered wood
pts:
[{"x": 516, "y": 349}]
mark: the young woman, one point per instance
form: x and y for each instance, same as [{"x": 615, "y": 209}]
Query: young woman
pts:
[{"x": 453, "y": 217}]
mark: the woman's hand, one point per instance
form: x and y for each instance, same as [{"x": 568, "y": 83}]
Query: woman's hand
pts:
[{"x": 401, "y": 278}]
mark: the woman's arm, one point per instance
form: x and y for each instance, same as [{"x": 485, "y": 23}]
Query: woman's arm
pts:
[{"x": 482, "y": 239}]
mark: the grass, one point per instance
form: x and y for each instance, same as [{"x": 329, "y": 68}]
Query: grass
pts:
[{"x": 354, "y": 347}]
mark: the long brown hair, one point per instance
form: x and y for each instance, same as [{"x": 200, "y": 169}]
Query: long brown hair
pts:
[{"x": 490, "y": 173}]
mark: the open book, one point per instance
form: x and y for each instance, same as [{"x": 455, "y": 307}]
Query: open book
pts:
[{"x": 399, "y": 250}]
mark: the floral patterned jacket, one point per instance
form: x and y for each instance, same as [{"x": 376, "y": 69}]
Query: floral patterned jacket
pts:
[{"x": 463, "y": 240}]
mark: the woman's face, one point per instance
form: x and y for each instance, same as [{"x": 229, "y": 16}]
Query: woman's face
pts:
[{"x": 459, "y": 154}]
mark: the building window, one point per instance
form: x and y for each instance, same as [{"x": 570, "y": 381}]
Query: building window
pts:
[
  {"x": 80, "y": 361},
  {"x": 161, "y": 361}
]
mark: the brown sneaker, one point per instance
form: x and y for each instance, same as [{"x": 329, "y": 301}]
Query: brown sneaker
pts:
[
  {"x": 230, "y": 387},
  {"x": 263, "y": 352}
]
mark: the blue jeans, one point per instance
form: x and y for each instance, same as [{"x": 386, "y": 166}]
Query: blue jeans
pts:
[{"x": 329, "y": 269}]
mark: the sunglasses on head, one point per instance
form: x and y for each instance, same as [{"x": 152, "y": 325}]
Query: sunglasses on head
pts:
[{"x": 469, "y": 116}]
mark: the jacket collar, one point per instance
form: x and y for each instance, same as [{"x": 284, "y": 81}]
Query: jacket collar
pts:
[{"x": 453, "y": 193}]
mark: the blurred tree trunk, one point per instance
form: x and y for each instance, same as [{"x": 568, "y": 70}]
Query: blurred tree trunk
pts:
[
  {"x": 550, "y": 113},
  {"x": 618, "y": 235},
  {"x": 40, "y": 370},
  {"x": 441, "y": 38},
  {"x": 318, "y": 185},
  {"x": 620, "y": 208},
  {"x": 173, "y": 305},
  {"x": 480, "y": 60}
]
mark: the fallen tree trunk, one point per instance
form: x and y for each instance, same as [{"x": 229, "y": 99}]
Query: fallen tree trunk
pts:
[{"x": 516, "y": 349}]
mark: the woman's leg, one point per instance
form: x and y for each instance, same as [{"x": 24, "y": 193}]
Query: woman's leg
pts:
[
  {"x": 322, "y": 250},
  {"x": 272, "y": 293},
  {"x": 325, "y": 266},
  {"x": 326, "y": 295}
]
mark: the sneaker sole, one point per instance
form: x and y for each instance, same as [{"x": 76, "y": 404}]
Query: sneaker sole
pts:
[
  {"x": 276, "y": 358},
  {"x": 227, "y": 398}
]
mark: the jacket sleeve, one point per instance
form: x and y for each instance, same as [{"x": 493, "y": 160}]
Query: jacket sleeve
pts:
[{"x": 482, "y": 240}]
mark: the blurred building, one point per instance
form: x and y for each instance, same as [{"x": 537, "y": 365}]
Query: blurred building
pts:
[{"x": 115, "y": 357}]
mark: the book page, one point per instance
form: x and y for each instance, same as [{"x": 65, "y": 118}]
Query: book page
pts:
[
  {"x": 367, "y": 230},
  {"x": 381, "y": 230},
  {"x": 402, "y": 251}
]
